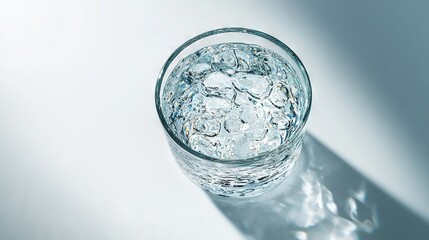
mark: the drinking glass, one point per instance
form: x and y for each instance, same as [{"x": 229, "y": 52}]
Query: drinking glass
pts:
[{"x": 237, "y": 177}]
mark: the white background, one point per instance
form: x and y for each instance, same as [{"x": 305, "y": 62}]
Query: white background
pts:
[{"x": 83, "y": 155}]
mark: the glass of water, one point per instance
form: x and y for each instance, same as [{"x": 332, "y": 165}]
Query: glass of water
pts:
[{"x": 233, "y": 103}]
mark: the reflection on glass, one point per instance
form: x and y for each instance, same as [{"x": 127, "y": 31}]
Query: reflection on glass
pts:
[{"x": 323, "y": 199}]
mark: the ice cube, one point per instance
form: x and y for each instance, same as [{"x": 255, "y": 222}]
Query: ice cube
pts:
[
  {"x": 199, "y": 70},
  {"x": 225, "y": 62},
  {"x": 279, "y": 95},
  {"x": 204, "y": 145},
  {"x": 218, "y": 84},
  {"x": 207, "y": 125},
  {"x": 216, "y": 104},
  {"x": 243, "y": 60},
  {"x": 256, "y": 85}
]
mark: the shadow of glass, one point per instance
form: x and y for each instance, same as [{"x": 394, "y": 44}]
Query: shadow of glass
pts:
[{"x": 324, "y": 198}]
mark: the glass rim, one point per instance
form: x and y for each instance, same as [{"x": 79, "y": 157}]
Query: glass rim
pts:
[{"x": 189, "y": 42}]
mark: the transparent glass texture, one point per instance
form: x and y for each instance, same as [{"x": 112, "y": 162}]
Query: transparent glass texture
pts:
[{"x": 252, "y": 174}]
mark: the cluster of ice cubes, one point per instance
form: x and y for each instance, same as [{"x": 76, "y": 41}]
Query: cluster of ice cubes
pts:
[{"x": 233, "y": 100}]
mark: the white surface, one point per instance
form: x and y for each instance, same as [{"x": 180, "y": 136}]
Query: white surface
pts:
[{"x": 82, "y": 153}]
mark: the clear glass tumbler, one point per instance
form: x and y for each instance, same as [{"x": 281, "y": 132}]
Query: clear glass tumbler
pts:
[{"x": 238, "y": 177}]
